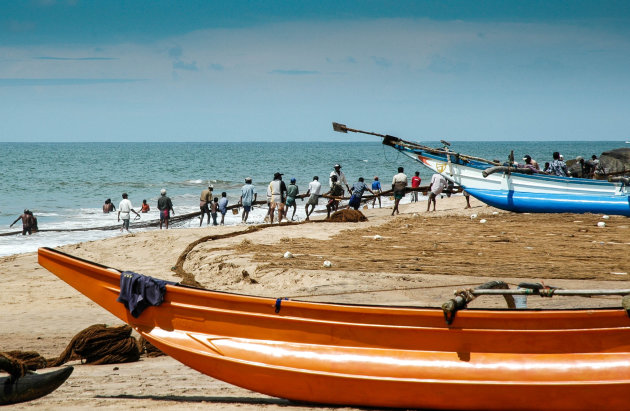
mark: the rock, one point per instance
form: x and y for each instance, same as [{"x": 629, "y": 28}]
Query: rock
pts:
[
  {"x": 288, "y": 254},
  {"x": 327, "y": 264},
  {"x": 601, "y": 224},
  {"x": 605, "y": 217}
]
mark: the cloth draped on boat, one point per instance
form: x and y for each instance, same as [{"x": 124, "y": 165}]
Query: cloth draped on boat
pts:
[{"x": 137, "y": 291}]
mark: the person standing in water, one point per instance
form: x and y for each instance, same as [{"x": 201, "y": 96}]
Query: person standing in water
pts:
[
  {"x": 124, "y": 211},
  {"x": 204, "y": 204},
  {"x": 108, "y": 207},
  {"x": 248, "y": 197},
  {"x": 28, "y": 222},
  {"x": 165, "y": 205}
]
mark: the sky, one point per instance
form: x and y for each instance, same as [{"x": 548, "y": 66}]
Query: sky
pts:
[{"x": 156, "y": 71}]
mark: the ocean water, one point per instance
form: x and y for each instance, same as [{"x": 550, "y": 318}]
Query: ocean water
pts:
[{"x": 66, "y": 184}]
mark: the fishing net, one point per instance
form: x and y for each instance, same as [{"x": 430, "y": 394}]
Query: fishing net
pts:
[
  {"x": 347, "y": 216},
  {"x": 149, "y": 349},
  {"x": 99, "y": 344}
]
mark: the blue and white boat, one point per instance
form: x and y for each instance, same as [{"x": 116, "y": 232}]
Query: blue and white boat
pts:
[{"x": 516, "y": 189}]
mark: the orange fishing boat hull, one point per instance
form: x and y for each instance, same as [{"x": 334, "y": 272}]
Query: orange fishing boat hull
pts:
[{"x": 380, "y": 356}]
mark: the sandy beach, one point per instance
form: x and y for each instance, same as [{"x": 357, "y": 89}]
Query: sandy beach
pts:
[{"x": 417, "y": 258}]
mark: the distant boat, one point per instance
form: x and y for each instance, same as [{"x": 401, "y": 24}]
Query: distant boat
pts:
[{"x": 516, "y": 189}]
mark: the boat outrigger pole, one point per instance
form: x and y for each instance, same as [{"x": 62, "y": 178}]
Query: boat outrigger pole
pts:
[
  {"x": 406, "y": 146},
  {"x": 387, "y": 139}
]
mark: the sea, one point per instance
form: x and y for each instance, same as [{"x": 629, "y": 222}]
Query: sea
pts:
[{"x": 66, "y": 184}]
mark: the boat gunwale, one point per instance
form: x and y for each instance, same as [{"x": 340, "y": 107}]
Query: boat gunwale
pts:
[{"x": 199, "y": 292}]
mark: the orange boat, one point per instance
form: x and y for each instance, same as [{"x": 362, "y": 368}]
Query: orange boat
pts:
[{"x": 380, "y": 356}]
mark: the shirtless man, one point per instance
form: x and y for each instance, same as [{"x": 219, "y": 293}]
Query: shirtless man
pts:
[
  {"x": 27, "y": 222},
  {"x": 108, "y": 207}
]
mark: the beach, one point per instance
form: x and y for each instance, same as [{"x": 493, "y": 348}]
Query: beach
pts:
[{"x": 417, "y": 258}]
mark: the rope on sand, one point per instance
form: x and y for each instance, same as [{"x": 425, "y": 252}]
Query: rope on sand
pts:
[{"x": 99, "y": 344}]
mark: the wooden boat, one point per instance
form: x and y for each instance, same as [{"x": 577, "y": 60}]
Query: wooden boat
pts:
[
  {"x": 31, "y": 386},
  {"x": 380, "y": 356},
  {"x": 512, "y": 188}
]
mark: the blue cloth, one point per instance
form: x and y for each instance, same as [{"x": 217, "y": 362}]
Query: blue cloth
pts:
[
  {"x": 137, "y": 292},
  {"x": 355, "y": 202},
  {"x": 223, "y": 202},
  {"x": 248, "y": 192},
  {"x": 376, "y": 185}
]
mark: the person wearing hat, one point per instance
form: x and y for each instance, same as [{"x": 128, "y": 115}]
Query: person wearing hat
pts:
[
  {"x": 204, "y": 203},
  {"x": 341, "y": 177},
  {"x": 292, "y": 193},
  {"x": 277, "y": 192},
  {"x": 28, "y": 222},
  {"x": 248, "y": 197},
  {"x": 124, "y": 210},
  {"x": 165, "y": 205}
]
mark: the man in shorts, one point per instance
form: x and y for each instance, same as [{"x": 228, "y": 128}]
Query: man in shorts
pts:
[
  {"x": 292, "y": 193},
  {"x": 124, "y": 211},
  {"x": 223, "y": 202},
  {"x": 28, "y": 222},
  {"x": 358, "y": 189},
  {"x": 438, "y": 184},
  {"x": 278, "y": 191},
  {"x": 399, "y": 184},
  {"x": 377, "y": 189},
  {"x": 248, "y": 197},
  {"x": 312, "y": 193},
  {"x": 165, "y": 205},
  {"x": 204, "y": 203}
]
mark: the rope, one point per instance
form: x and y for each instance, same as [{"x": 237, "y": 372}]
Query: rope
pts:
[
  {"x": 99, "y": 344},
  {"x": 13, "y": 366}
]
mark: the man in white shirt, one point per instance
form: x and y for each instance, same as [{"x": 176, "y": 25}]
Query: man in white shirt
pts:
[
  {"x": 399, "y": 184},
  {"x": 314, "y": 189},
  {"x": 341, "y": 177},
  {"x": 124, "y": 211},
  {"x": 438, "y": 183}
]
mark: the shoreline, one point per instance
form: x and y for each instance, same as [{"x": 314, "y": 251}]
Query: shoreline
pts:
[{"x": 419, "y": 260}]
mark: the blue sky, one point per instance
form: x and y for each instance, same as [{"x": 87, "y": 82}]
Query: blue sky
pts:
[{"x": 76, "y": 70}]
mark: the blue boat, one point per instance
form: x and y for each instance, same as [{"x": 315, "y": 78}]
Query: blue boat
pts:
[{"x": 516, "y": 189}]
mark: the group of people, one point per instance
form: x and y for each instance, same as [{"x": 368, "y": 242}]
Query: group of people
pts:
[
  {"x": 282, "y": 198},
  {"x": 125, "y": 208},
  {"x": 558, "y": 167}
]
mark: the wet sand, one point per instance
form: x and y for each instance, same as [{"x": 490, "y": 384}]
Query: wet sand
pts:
[{"x": 416, "y": 258}]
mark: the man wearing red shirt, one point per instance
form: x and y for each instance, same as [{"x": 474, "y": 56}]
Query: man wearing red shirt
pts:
[{"x": 415, "y": 183}]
